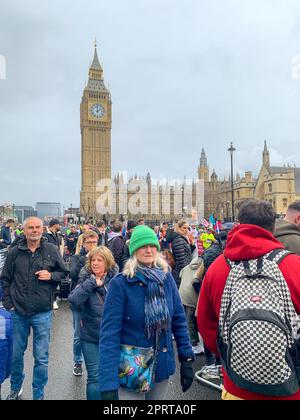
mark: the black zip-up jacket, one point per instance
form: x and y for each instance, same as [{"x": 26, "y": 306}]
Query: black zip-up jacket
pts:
[
  {"x": 116, "y": 246},
  {"x": 22, "y": 290},
  {"x": 77, "y": 264},
  {"x": 53, "y": 238},
  {"x": 182, "y": 252},
  {"x": 71, "y": 241},
  {"x": 89, "y": 298},
  {"x": 5, "y": 233}
]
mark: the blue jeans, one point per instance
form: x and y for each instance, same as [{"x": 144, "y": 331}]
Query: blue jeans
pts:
[
  {"x": 41, "y": 326},
  {"x": 91, "y": 358},
  {"x": 77, "y": 350}
]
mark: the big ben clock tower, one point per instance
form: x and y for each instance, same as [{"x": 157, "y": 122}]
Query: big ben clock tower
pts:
[{"x": 95, "y": 123}]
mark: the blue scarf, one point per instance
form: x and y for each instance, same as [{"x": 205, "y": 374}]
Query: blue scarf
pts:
[{"x": 157, "y": 316}]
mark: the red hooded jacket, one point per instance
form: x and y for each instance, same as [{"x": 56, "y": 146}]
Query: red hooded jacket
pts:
[{"x": 245, "y": 242}]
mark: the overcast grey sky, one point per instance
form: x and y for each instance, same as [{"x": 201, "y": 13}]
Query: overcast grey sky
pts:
[{"x": 183, "y": 75}]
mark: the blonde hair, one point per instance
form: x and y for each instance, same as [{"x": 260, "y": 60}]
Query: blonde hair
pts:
[
  {"x": 131, "y": 265},
  {"x": 89, "y": 234},
  {"x": 180, "y": 224},
  {"x": 105, "y": 253}
]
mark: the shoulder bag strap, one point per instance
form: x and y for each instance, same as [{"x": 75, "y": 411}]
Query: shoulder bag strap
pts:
[{"x": 278, "y": 255}]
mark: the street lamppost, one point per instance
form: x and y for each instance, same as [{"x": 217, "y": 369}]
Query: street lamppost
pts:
[
  {"x": 227, "y": 210},
  {"x": 231, "y": 150},
  {"x": 182, "y": 201}
]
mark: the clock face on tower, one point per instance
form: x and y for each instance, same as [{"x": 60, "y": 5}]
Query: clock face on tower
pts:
[{"x": 97, "y": 111}]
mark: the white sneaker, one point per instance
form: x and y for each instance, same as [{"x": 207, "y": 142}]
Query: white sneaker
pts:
[
  {"x": 55, "y": 305},
  {"x": 210, "y": 372},
  {"x": 198, "y": 349}
]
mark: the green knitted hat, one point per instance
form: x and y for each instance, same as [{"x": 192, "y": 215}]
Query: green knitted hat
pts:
[{"x": 141, "y": 236}]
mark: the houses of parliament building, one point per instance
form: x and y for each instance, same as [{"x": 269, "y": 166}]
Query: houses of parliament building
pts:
[{"x": 207, "y": 194}]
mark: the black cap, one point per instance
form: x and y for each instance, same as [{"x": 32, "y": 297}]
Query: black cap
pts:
[
  {"x": 131, "y": 224},
  {"x": 54, "y": 222}
]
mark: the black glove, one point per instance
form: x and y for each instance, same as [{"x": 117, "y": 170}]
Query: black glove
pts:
[
  {"x": 186, "y": 375},
  {"x": 110, "y": 395}
]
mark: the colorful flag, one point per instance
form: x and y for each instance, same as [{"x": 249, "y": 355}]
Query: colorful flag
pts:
[
  {"x": 212, "y": 220},
  {"x": 205, "y": 223}
]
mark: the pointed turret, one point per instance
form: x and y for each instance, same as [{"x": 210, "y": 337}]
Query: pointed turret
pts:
[
  {"x": 148, "y": 179},
  {"x": 214, "y": 176},
  {"x": 96, "y": 79},
  {"x": 96, "y": 71},
  {"x": 203, "y": 159},
  {"x": 266, "y": 156},
  {"x": 96, "y": 63},
  {"x": 203, "y": 170}
]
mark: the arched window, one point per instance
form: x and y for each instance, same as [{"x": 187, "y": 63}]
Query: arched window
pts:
[
  {"x": 270, "y": 188},
  {"x": 285, "y": 202}
]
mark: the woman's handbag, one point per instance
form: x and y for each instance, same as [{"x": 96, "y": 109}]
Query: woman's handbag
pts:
[{"x": 137, "y": 367}]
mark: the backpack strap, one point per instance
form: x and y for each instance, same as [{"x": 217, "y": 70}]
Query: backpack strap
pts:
[
  {"x": 231, "y": 264},
  {"x": 246, "y": 265},
  {"x": 278, "y": 255}
]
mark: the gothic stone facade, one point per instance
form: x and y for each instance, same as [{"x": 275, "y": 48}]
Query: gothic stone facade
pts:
[{"x": 278, "y": 185}]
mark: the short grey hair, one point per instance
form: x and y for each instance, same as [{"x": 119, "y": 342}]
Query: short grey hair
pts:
[{"x": 31, "y": 218}]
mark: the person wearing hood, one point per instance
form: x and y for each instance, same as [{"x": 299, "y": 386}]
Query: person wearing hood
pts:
[
  {"x": 89, "y": 296},
  {"x": 143, "y": 308},
  {"x": 29, "y": 278},
  {"x": 252, "y": 239},
  {"x": 287, "y": 231},
  {"x": 183, "y": 245},
  {"x": 116, "y": 243}
]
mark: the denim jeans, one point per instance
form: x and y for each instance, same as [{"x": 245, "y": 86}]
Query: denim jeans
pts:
[
  {"x": 192, "y": 325},
  {"x": 77, "y": 350},
  {"x": 41, "y": 326},
  {"x": 210, "y": 359},
  {"x": 91, "y": 358}
]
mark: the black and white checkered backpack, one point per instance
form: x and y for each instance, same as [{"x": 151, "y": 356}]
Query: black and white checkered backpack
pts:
[{"x": 258, "y": 336}]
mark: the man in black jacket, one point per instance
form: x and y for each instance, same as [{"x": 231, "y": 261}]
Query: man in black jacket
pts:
[
  {"x": 116, "y": 243},
  {"x": 53, "y": 234},
  {"x": 126, "y": 254},
  {"x": 54, "y": 237},
  {"x": 71, "y": 240},
  {"x": 6, "y": 232},
  {"x": 29, "y": 278}
]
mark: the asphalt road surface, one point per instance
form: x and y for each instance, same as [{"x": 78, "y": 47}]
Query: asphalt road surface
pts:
[{"x": 63, "y": 385}]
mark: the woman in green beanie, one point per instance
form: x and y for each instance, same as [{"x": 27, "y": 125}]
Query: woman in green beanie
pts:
[{"x": 143, "y": 307}]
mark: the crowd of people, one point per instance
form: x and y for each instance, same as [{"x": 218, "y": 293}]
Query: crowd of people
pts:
[{"x": 133, "y": 288}]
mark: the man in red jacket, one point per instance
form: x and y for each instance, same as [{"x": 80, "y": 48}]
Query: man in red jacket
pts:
[{"x": 252, "y": 239}]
